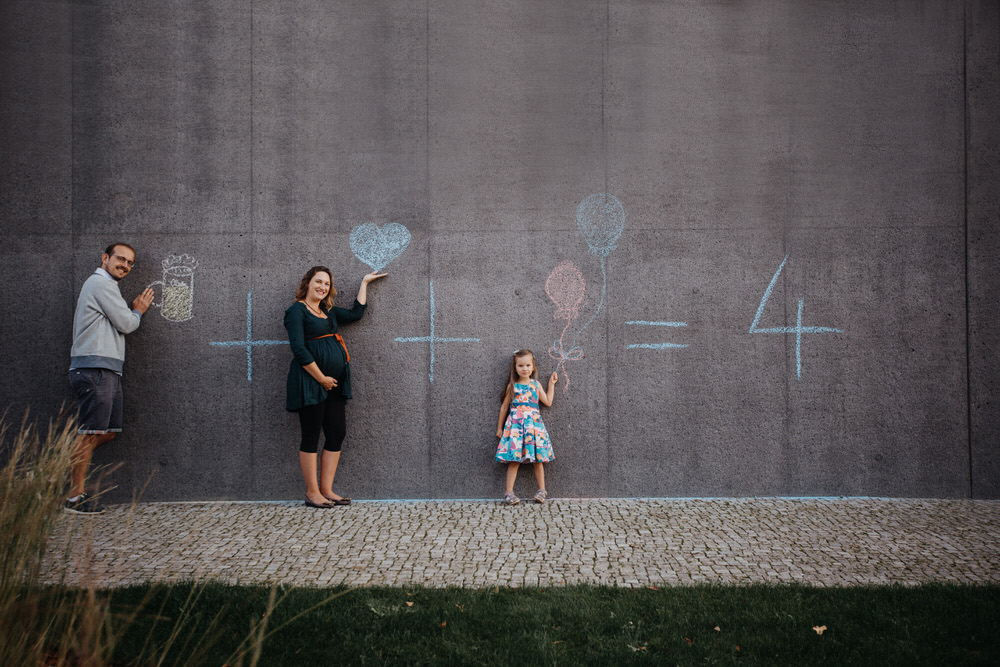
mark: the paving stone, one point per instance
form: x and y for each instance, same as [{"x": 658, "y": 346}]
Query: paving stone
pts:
[{"x": 631, "y": 543}]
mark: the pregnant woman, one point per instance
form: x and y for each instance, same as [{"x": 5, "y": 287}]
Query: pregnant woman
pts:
[{"x": 319, "y": 378}]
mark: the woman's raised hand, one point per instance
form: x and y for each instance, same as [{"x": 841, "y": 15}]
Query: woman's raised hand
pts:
[
  {"x": 374, "y": 275},
  {"x": 363, "y": 290}
]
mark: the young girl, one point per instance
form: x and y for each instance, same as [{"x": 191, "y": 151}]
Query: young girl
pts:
[{"x": 523, "y": 438}]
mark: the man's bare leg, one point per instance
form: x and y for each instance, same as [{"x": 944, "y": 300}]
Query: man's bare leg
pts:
[{"x": 83, "y": 450}]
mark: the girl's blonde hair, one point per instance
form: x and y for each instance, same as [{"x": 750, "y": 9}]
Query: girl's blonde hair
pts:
[
  {"x": 303, "y": 288},
  {"x": 508, "y": 391}
]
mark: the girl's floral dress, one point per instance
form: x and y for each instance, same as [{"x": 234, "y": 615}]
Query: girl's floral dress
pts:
[{"x": 524, "y": 439}]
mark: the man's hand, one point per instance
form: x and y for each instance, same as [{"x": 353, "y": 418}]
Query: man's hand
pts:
[{"x": 144, "y": 300}]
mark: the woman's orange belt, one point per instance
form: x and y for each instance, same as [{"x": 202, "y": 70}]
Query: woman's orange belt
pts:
[{"x": 340, "y": 339}]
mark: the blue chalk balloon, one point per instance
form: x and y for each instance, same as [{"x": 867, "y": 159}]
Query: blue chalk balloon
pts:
[{"x": 601, "y": 218}]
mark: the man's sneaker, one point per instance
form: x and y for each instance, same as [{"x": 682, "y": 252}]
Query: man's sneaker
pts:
[
  {"x": 541, "y": 496},
  {"x": 84, "y": 504},
  {"x": 510, "y": 499}
]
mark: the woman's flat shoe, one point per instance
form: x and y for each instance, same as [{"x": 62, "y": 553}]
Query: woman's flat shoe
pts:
[
  {"x": 338, "y": 501},
  {"x": 322, "y": 506}
]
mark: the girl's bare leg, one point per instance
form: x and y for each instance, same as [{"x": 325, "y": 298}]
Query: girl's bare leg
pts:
[
  {"x": 511, "y": 476},
  {"x": 540, "y": 476}
]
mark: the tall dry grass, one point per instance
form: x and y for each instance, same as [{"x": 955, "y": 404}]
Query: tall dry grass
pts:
[
  {"x": 43, "y": 625},
  {"x": 61, "y": 626},
  {"x": 36, "y": 464}
]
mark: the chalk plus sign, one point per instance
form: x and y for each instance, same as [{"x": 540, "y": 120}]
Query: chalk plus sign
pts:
[
  {"x": 433, "y": 339},
  {"x": 249, "y": 343}
]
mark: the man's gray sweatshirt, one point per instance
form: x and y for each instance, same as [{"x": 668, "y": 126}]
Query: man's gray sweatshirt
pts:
[{"x": 99, "y": 326}]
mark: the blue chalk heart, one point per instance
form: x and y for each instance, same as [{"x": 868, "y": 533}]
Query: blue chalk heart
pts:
[{"x": 377, "y": 246}]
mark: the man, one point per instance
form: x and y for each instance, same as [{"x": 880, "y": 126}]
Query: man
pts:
[{"x": 95, "y": 372}]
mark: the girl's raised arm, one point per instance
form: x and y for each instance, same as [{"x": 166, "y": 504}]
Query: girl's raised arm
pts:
[{"x": 545, "y": 397}]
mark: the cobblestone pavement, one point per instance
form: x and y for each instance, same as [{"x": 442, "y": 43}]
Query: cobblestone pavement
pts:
[{"x": 630, "y": 543}]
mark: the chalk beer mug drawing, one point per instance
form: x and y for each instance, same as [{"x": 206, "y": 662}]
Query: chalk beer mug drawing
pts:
[{"x": 177, "y": 295}]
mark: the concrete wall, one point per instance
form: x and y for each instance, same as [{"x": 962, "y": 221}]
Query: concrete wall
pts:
[{"x": 802, "y": 299}]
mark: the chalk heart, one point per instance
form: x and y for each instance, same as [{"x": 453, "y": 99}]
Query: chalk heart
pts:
[{"x": 377, "y": 246}]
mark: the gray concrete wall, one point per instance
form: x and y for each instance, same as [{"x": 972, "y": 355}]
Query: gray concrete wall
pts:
[
  {"x": 983, "y": 242},
  {"x": 801, "y": 300}
]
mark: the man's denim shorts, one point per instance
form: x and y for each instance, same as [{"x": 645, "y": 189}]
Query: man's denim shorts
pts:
[{"x": 99, "y": 399}]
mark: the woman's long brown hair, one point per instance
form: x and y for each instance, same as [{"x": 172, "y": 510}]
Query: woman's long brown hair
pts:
[{"x": 303, "y": 288}]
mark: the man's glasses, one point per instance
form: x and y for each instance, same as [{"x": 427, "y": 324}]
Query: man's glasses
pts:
[{"x": 128, "y": 262}]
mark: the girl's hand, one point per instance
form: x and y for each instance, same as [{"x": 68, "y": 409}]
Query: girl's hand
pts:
[
  {"x": 499, "y": 433},
  {"x": 373, "y": 276},
  {"x": 553, "y": 379}
]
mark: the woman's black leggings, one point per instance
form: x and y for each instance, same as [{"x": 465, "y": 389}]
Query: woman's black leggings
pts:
[{"x": 328, "y": 417}]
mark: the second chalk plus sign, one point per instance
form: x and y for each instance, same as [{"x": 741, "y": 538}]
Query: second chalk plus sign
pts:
[
  {"x": 249, "y": 343},
  {"x": 433, "y": 339}
]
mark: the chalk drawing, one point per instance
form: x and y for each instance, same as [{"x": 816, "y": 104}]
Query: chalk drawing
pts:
[
  {"x": 249, "y": 343},
  {"x": 377, "y": 246},
  {"x": 601, "y": 219},
  {"x": 433, "y": 339},
  {"x": 798, "y": 329},
  {"x": 177, "y": 295},
  {"x": 656, "y": 346},
  {"x": 565, "y": 286}
]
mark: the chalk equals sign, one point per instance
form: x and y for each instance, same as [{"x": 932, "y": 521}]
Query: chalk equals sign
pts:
[{"x": 656, "y": 346}]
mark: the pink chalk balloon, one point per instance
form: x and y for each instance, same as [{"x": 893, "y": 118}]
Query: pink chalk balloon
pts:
[{"x": 566, "y": 287}]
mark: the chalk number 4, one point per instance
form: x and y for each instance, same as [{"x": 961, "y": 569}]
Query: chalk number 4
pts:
[{"x": 798, "y": 329}]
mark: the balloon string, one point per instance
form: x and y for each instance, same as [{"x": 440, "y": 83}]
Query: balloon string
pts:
[
  {"x": 565, "y": 328},
  {"x": 604, "y": 285},
  {"x": 558, "y": 351}
]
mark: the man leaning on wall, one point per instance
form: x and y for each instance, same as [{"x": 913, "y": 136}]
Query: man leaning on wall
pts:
[{"x": 100, "y": 323}]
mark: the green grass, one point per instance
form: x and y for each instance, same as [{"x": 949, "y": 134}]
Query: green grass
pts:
[
  {"x": 760, "y": 625},
  {"x": 214, "y": 624}
]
